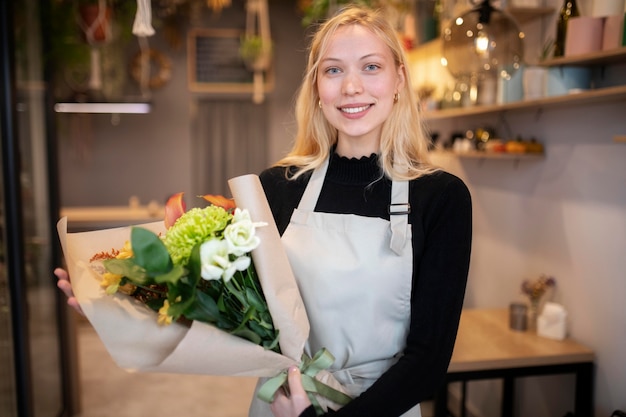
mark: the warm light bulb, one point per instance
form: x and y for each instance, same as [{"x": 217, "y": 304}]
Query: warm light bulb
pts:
[
  {"x": 477, "y": 43},
  {"x": 482, "y": 43}
]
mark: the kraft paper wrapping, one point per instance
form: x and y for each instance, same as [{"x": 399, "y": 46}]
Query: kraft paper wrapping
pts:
[{"x": 135, "y": 341}]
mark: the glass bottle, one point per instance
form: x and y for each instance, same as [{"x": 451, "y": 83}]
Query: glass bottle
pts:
[
  {"x": 568, "y": 10},
  {"x": 438, "y": 17}
]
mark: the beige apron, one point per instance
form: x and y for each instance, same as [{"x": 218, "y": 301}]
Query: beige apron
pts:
[{"x": 358, "y": 305}]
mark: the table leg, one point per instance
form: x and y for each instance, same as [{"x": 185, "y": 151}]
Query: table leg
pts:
[
  {"x": 583, "y": 406},
  {"x": 464, "y": 399},
  {"x": 441, "y": 402},
  {"x": 508, "y": 393}
]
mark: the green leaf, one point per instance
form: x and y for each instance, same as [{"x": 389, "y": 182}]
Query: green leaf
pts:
[
  {"x": 203, "y": 309},
  {"x": 255, "y": 300},
  {"x": 272, "y": 344},
  {"x": 173, "y": 276},
  {"x": 127, "y": 268},
  {"x": 194, "y": 266},
  {"x": 247, "y": 334},
  {"x": 155, "y": 304},
  {"x": 149, "y": 251},
  {"x": 179, "y": 308}
]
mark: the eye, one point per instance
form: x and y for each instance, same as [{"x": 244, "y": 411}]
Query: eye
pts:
[
  {"x": 372, "y": 67},
  {"x": 332, "y": 70}
]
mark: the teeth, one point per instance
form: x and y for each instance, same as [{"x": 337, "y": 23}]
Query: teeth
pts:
[{"x": 354, "y": 109}]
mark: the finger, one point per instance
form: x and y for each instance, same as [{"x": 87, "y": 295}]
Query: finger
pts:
[
  {"x": 61, "y": 274},
  {"x": 66, "y": 287},
  {"x": 73, "y": 302},
  {"x": 295, "y": 382}
]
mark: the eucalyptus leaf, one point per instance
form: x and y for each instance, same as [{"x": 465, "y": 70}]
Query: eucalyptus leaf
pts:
[{"x": 149, "y": 251}]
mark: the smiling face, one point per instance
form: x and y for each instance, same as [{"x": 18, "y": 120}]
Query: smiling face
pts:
[{"x": 357, "y": 80}]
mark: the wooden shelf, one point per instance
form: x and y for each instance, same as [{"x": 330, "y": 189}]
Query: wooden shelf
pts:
[
  {"x": 599, "y": 95},
  {"x": 611, "y": 56},
  {"x": 491, "y": 155}
]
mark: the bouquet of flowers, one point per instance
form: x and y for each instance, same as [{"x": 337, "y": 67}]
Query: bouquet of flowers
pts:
[
  {"x": 227, "y": 311},
  {"x": 200, "y": 269}
]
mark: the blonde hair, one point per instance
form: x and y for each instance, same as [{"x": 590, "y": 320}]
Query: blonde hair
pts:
[{"x": 404, "y": 141}]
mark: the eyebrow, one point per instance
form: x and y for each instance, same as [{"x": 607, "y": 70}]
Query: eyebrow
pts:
[{"x": 364, "y": 57}]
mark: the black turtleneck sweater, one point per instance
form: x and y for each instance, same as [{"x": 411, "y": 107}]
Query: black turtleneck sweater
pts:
[{"x": 441, "y": 222}]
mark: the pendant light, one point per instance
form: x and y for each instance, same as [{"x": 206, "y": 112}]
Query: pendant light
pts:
[{"x": 483, "y": 42}]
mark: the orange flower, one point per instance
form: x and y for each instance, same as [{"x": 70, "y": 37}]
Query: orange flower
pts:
[
  {"x": 174, "y": 208},
  {"x": 220, "y": 201}
]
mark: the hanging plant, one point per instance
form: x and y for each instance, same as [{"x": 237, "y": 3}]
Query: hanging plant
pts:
[
  {"x": 255, "y": 51},
  {"x": 317, "y": 10}
]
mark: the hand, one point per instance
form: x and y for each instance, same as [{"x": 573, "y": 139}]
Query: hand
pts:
[
  {"x": 64, "y": 284},
  {"x": 297, "y": 401}
]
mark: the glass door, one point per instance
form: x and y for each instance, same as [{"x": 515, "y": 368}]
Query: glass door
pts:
[{"x": 32, "y": 361}]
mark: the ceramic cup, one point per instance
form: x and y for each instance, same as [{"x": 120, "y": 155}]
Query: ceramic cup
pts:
[
  {"x": 512, "y": 89},
  {"x": 563, "y": 80},
  {"x": 584, "y": 35},
  {"x": 534, "y": 82}
]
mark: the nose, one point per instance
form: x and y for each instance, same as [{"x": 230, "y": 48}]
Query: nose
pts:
[{"x": 352, "y": 84}]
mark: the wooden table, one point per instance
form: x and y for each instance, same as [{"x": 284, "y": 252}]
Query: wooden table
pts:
[{"x": 486, "y": 348}]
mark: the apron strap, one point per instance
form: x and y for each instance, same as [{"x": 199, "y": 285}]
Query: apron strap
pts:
[
  {"x": 313, "y": 188},
  {"x": 398, "y": 209}
]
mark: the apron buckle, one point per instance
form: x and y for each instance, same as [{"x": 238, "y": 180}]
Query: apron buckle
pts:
[{"x": 399, "y": 208}]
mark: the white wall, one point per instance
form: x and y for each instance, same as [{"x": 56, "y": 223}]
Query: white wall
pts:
[{"x": 565, "y": 216}]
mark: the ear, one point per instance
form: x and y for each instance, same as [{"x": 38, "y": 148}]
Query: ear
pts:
[{"x": 401, "y": 78}]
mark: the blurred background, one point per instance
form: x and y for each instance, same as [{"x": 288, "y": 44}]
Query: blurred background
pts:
[{"x": 101, "y": 125}]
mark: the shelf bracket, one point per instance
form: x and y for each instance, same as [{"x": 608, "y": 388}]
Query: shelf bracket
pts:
[{"x": 505, "y": 124}]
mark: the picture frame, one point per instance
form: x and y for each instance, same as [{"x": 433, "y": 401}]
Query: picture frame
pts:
[{"x": 214, "y": 64}]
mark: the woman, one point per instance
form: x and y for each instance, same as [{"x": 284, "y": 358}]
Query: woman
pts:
[{"x": 379, "y": 240}]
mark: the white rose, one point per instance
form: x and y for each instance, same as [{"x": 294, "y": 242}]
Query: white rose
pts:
[
  {"x": 241, "y": 233},
  {"x": 215, "y": 261}
]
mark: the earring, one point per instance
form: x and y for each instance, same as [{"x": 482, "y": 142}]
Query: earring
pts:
[
  {"x": 319, "y": 103},
  {"x": 396, "y": 97}
]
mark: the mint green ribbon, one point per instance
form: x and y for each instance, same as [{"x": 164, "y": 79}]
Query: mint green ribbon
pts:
[{"x": 308, "y": 368}]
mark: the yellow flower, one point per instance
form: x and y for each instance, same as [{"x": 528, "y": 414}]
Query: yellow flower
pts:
[
  {"x": 126, "y": 252},
  {"x": 111, "y": 282},
  {"x": 164, "y": 319}
]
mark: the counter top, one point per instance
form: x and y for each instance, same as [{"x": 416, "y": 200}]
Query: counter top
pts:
[
  {"x": 95, "y": 217},
  {"x": 485, "y": 341}
]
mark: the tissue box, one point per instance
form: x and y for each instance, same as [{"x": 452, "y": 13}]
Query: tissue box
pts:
[{"x": 552, "y": 323}]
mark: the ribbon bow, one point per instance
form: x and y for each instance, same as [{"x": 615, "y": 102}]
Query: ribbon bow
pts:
[{"x": 308, "y": 368}]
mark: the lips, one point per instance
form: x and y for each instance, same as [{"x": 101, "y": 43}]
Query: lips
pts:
[{"x": 353, "y": 110}]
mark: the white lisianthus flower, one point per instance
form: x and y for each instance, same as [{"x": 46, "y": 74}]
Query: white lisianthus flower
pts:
[
  {"x": 240, "y": 233},
  {"x": 215, "y": 261}
]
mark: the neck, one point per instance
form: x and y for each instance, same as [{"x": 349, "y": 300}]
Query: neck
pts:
[{"x": 357, "y": 147}]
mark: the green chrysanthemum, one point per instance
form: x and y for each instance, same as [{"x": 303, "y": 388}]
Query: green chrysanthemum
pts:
[{"x": 193, "y": 227}]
